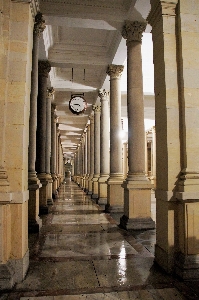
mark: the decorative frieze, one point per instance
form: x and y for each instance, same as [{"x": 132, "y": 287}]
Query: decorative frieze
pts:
[
  {"x": 115, "y": 71},
  {"x": 39, "y": 25},
  {"x": 132, "y": 31}
]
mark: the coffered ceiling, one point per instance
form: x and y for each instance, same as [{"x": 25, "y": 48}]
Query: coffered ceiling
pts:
[{"x": 81, "y": 38}]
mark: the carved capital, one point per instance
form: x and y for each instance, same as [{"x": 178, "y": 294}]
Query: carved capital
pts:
[
  {"x": 44, "y": 67},
  {"x": 132, "y": 31},
  {"x": 160, "y": 9},
  {"x": 39, "y": 25},
  {"x": 115, "y": 71},
  {"x": 97, "y": 108},
  {"x": 104, "y": 95},
  {"x": 50, "y": 92}
]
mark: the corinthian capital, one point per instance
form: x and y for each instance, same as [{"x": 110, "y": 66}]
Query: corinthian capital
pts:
[
  {"x": 97, "y": 108},
  {"x": 103, "y": 94},
  {"x": 39, "y": 24},
  {"x": 132, "y": 31},
  {"x": 50, "y": 92},
  {"x": 44, "y": 67},
  {"x": 115, "y": 71}
]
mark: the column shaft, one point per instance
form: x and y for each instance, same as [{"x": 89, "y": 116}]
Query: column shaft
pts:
[
  {"x": 162, "y": 19},
  {"x": 137, "y": 188},
  {"x": 97, "y": 110},
  {"x": 88, "y": 159},
  {"x": 50, "y": 92},
  {"x": 33, "y": 181},
  {"x": 104, "y": 147},
  {"x": 44, "y": 69},
  {"x": 91, "y": 154},
  {"x": 53, "y": 149},
  {"x": 115, "y": 192}
]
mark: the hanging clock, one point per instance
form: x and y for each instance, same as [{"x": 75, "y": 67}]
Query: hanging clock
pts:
[{"x": 77, "y": 104}]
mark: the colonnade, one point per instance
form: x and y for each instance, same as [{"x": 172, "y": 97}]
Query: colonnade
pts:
[{"x": 31, "y": 155}]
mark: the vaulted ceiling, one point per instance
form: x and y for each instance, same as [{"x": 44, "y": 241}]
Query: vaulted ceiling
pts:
[{"x": 82, "y": 37}]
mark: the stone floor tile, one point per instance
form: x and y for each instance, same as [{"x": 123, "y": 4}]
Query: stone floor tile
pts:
[
  {"x": 94, "y": 244},
  {"x": 170, "y": 293},
  {"x": 82, "y": 251},
  {"x": 80, "y": 219},
  {"x": 59, "y": 275},
  {"x": 124, "y": 272},
  {"x": 70, "y": 297},
  {"x": 38, "y": 298}
]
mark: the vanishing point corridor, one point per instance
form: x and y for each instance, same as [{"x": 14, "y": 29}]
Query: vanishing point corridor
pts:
[{"x": 81, "y": 253}]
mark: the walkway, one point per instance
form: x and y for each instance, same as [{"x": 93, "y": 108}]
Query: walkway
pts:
[{"x": 81, "y": 253}]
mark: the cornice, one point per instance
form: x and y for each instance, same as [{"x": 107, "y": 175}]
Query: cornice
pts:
[{"x": 111, "y": 4}]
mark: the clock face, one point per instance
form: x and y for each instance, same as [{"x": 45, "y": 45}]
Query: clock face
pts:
[{"x": 77, "y": 104}]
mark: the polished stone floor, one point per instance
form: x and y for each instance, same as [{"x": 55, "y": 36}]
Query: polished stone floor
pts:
[{"x": 82, "y": 253}]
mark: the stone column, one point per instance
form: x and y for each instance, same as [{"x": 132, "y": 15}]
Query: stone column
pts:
[
  {"x": 74, "y": 178},
  {"x": 90, "y": 182},
  {"x": 50, "y": 93},
  {"x": 115, "y": 192},
  {"x": 44, "y": 69},
  {"x": 53, "y": 148},
  {"x": 33, "y": 181},
  {"x": 97, "y": 110},
  {"x": 137, "y": 187},
  {"x": 57, "y": 155},
  {"x": 16, "y": 40},
  {"x": 125, "y": 159},
  {"x": 187, "y": 249},
  {"x": 88, "y": 158},
  {"x": 78, "y": 164},
  {"x": 85, "y": 158},
  {"x": 163, "y": 20},
  {"x": 153, "y": 162},
  {"x": 82, "y": 160},
  {"x": 104, "y": 147}
]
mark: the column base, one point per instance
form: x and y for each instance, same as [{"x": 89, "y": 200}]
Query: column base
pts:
[
  {"x": 33, "y": 226},
  {"x": 114, "y": 208},
  {"x": 43, "y": 191},
  {"x": 43, "y": 210},
  {"x": 137, "y": 223},
  {"x": 95, "y": 187},
  {"x": 165, "y": 259},
  {"x": 187, "y": 267},
  {"x": 102, "y": 189},
  {"x": 115, "y": 195},
  {"x": 90, "y": 185},
  {"x": 102, "y": 201},
  {"x": 14, "y": 271},
  {"x": 50, "y": 202}
]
